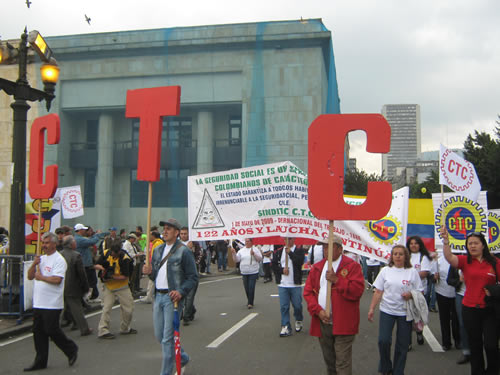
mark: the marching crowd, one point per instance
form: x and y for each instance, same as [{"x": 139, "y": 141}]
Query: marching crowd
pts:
[{"x": 404, "y": 290}]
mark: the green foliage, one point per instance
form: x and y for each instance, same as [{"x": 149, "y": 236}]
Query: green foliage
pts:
[
  {"x": 484, "y": 152},
  {"x": 356, "y": 182},
  {"x": 430, "y": 185}
]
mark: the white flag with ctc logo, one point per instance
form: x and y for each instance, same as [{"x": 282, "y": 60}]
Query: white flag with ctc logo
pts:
[
  {"x": 458, "y": 174},
  {"x": 71, "y": 202}
]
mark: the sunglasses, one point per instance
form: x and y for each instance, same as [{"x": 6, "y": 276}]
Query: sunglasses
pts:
[{"x": 477, "y": 234}]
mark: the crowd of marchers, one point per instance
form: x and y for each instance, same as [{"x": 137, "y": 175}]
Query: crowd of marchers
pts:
[{"x": 81, "y": 267}]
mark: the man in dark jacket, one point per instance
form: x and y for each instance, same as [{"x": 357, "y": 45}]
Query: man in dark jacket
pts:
[
  {"x": 174, "y": 272},
  {"x": 75, "y": 285},
  {"x": 287, "y": 263}
]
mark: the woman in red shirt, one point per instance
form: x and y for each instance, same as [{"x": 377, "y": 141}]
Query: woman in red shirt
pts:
[{"x": 480, "y": 268}]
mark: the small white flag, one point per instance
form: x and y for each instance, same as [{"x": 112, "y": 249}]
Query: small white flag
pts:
[
  {"x": 71, "y": 202},
  {"x": 458, "y": 174}
]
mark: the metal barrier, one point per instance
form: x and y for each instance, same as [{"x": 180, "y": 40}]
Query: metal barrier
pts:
[{"x": 12, "y": 285}]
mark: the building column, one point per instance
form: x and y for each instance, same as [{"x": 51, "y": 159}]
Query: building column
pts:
[
  {"x": 104, "y": 177},
  {"x": 205, "y": 143}
]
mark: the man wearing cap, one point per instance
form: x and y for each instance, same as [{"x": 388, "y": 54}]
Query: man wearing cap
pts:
[
  {"x": 173, "y": 270},
  {"x": 288, "y": 263},
  {"x": 336, "y": 331},
  {"x": 108, "y": 240},
  {"x": 132, "y": 247},
  {"x": 83, "y": 245}
]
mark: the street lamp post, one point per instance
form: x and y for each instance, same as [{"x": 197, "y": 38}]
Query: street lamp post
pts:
[{"x": 22, "y": 93}]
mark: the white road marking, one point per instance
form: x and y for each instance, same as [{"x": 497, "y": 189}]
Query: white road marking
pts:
[
  {"x": 223, "y": 279},
  {"x": 432, "y": 341},
  {"x": 219, "y": 340},
  {"x": 223, "y": 314},
  {"x": 30, "y": 334},
  {"x": 274, "y": 295}
]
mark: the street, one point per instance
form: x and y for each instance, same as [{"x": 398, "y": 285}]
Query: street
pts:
[{"x": 253, "y": 348}]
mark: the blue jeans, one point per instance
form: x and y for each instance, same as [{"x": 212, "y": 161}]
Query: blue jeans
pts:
[
  {"x": 286, "y": 295},
  {"x": 222, "y": 260},
  {"x": 249, "y": 285},
  {"x": 463, "y": 334},
  {"x": 208, "y": 254},
  {"x": 403, "y": 331},
  {"x": 163, "y": 318}
]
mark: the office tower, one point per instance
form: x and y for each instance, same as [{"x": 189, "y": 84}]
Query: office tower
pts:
[{"x": 405, "y": 138}]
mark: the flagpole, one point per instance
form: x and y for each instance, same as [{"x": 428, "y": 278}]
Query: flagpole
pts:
[
  {"x": 442, "y": 205},
  {"x": 330, "y": 260},
  {"x": 148, "y": 225}
]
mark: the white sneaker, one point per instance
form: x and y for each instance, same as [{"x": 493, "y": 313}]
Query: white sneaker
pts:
[
  {"x": 298, "y": 326},
  {"x": 285, "y": 331}
]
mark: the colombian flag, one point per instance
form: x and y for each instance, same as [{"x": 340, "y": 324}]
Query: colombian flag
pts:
[{"x": 421, "y": 221}]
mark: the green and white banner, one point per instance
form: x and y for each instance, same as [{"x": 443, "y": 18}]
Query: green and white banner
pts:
[{"x": 271, "y": 200}]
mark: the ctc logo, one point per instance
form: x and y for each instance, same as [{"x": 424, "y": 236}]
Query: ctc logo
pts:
[
  {"x": 460, "y": 221},
  {"x": 492, "y": 231}
]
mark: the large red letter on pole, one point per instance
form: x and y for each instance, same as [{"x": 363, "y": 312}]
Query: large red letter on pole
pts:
[
  {"x": 327, "y": 135},
  {"x": 36, "y": 187},
  {"x": 150, "y": 105}
]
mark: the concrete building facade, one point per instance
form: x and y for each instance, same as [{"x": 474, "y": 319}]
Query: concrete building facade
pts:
[
  {"x": 405, "y": 138},
  {"x": 249, "y": 93}
]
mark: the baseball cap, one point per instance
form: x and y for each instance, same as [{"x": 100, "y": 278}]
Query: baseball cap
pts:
[
  {"x": 113, "y": 228},
  {"x": 336, "y": 239},
  {"x": 131, "y": 235},
  {"x": 80, "y": 227},
  {"x": 171, "y": 223}
]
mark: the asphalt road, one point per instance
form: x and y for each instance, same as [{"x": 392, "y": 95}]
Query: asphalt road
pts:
[{"x": 254, "y": 348}]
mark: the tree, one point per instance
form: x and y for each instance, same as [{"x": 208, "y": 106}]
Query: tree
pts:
[
  {"x": 484, "y": 152},
  {"x": 426, "y": 188},
  {"x": 356, "y": 181}
]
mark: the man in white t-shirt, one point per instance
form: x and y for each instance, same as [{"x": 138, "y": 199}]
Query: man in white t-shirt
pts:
[
  {"x": 48, "y": 271},
  {"x": 315, "y": 253},
  {"x": 288, "y": 262}
]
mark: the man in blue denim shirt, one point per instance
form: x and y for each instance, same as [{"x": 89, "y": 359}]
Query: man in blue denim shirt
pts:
[
  {"x": 83, "y": 244},
  {"x": 173, "y": 279}
]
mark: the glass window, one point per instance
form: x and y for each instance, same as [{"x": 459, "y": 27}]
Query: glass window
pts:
[
  {"x": 89, "y": 188},
  {"x": 92, "y": 128},
  {"x": 235, "y": 130},
  {"x": 169, "y": 191}
]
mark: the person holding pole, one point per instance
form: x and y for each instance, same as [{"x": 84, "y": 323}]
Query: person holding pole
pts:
[
  {"x": 173, "y": 271},
  {"x": 249, "y": 258},
  {"x": 480, "y": 269},
  {"x": 336, "y": 331},
  {"x": 288, "y": 262},
  {"x": 393, "y": 287},
  {"x": 49, "y": 271}
]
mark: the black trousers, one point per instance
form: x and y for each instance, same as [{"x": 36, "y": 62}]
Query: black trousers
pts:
[
  {"x": 372, "y": 273},
  {"x": 481, "y": 327},
  {"x": 448, "y": 317},
  {"x": 189, "y": 309},
  {"x": 92, "y": 279},
  {"x": 45, "y": 326},
  {"x": 268, "y": 275}
]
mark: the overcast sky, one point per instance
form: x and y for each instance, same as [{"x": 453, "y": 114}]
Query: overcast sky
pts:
[{"x": 441, "y": 54}]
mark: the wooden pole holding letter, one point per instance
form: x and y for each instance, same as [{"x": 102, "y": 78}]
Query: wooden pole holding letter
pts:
[
  {"x": 330, "y": 260},
  {"x": 39, "y": 235},
  {"x": 148, "y": 225}
]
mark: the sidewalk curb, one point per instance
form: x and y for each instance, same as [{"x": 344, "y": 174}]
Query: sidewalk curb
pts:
[{"x": 27, "y": 326}]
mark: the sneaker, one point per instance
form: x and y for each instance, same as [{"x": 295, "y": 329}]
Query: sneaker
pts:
[
  {"x": 465, "y": 358},
  {"x": 130, "y": 332},
  {"x": 107, "y": 336},
  {"x": 285, "y": 331},
  {"x": 298, "y": 326},
  {"x": 95, "y": 300}
]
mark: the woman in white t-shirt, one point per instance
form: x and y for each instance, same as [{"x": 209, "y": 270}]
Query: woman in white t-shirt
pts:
[
  {"x": 393, "y": 288},
  {"x": 421, "y": 260},
  {"x": 446, "y": 301},
  {"x": 249, "y": 258}
]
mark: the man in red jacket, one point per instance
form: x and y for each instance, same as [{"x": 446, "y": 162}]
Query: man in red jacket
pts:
[{"x": 336, "y": 332}]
